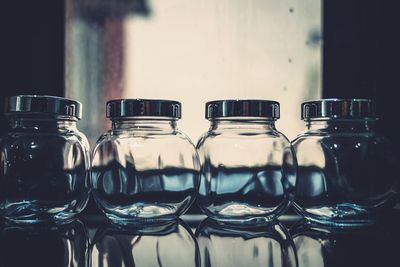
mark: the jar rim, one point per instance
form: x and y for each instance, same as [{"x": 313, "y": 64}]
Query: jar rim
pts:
[
  {"x": 142, "y": 108},
  {"x": 240, "y": 119},
  {"x": 261, "y": 108},
  {"x": 338, "y": 108},
  {"x": 340, "y": 119},
  {"x": 143, "y": 118},
  {"x": 43, "y": 105}
]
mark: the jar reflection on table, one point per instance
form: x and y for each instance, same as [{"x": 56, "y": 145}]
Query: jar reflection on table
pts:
[
  {"x": 230, "y": 246},
  {"x": 169, "y": 244},
  {"x": 46, "y": 245},
  {"x": 319, "y": 246}
]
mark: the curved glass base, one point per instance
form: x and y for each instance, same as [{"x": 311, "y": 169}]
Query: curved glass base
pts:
[
  {"x": 240, "y": 213},
  {"x": 42, "y": 212},
  {"x": 141, "y": 213},
  {"x": 344, "y": 214},
  {"x": 139, "y": 221},
  {"x": 42, "y": 218},
  {"x": 245, "y": 221},
  {"x": 340, "y": 223}
]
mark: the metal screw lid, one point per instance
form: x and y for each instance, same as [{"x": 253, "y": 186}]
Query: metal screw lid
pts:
[
  {"x": 338, "y": 108},
  {"x": 121, "y": 108},
  {"x": 242, "y": 108},
  {"x": 36, "y": 104}
]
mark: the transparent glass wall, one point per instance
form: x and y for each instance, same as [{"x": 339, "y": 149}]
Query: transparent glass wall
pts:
[{"x": 193, "y": 51}]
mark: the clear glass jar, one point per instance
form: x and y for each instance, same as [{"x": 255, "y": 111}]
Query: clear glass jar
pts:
[
  {"x": 248, "y": 169},
  {"x": 346, "y": 172},
  {"x": 44, "y": 160},
  {"x": 144, "y": 169}
]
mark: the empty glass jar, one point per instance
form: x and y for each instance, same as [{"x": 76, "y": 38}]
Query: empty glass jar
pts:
[
  {"x": 144, "y": 169},
  {"x": 248, "y": 169},
  {"x": 347, "y": 174},
  {"x": 44, "y": 160}
]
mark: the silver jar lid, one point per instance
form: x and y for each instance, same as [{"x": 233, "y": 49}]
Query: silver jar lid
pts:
[
  {"x": 338, "y": 108},
  {"x": 36, "y": 104},
  {"x": 242, "y": 108},
  {"x": 121, "y": 108}
]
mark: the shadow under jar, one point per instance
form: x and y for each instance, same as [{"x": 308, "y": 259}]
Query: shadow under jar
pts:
[
  {"x": 144, "y": 169},
  {"x": 248, "y": 169},
  {"x": 346, "y": 172},
  {"x": 44, "y": 160}
]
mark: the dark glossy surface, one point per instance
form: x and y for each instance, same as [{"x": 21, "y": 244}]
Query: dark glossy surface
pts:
[
  {"x": 66, "y": 245},
  {"x": 377, "y": 245},
  {"x": 198, "y": 242}
]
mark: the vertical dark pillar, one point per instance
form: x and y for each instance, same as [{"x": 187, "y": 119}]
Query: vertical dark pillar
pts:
[
  {"x": 361, "y": 56},
  {"x": 31, "y": 49},
  {"x": 350, "y": 48}
]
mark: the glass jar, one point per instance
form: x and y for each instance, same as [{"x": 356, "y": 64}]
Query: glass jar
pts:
[
  {"x": 44, "y": 160},
  {"x": 144, "y": 168},
  {"x": 248, "y": 169},
  {"x": 346, "y": 172}
]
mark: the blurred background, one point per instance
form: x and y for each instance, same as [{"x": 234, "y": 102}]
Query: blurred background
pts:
[
  {"x": 193, "y": 51},
  {"x": 196, "y": 51}
]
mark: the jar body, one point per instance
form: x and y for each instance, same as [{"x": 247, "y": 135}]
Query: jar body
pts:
[
  {"x": 144, "y": 171},
  {"x": 248, "y": 171},
  {"x": 346, "y": 173},
  {"x": 44, "y": 171}
]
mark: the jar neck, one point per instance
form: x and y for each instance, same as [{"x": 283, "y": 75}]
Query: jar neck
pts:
[
  {"x": 145, "y": 124},
  {"x": 242, "y": 123},
  {"x": 342, "y": 125},
  {"x": 42, "y": 124}
]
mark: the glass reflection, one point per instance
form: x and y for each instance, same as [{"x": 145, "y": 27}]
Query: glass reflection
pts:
[
  {"x": 319, "y": 246},
  {"x": 169, "y": 244},
  {"x": 226, "y": 245},
  {"x": 45, "y": 245}
]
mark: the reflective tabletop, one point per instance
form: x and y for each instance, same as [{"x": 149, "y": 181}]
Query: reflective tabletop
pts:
[{"x": 194, "y": 240}]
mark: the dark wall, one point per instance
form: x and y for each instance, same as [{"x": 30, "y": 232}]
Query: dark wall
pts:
[
  {"x": 32, "y": 49},
  {"x": 361, "y": 56}
]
